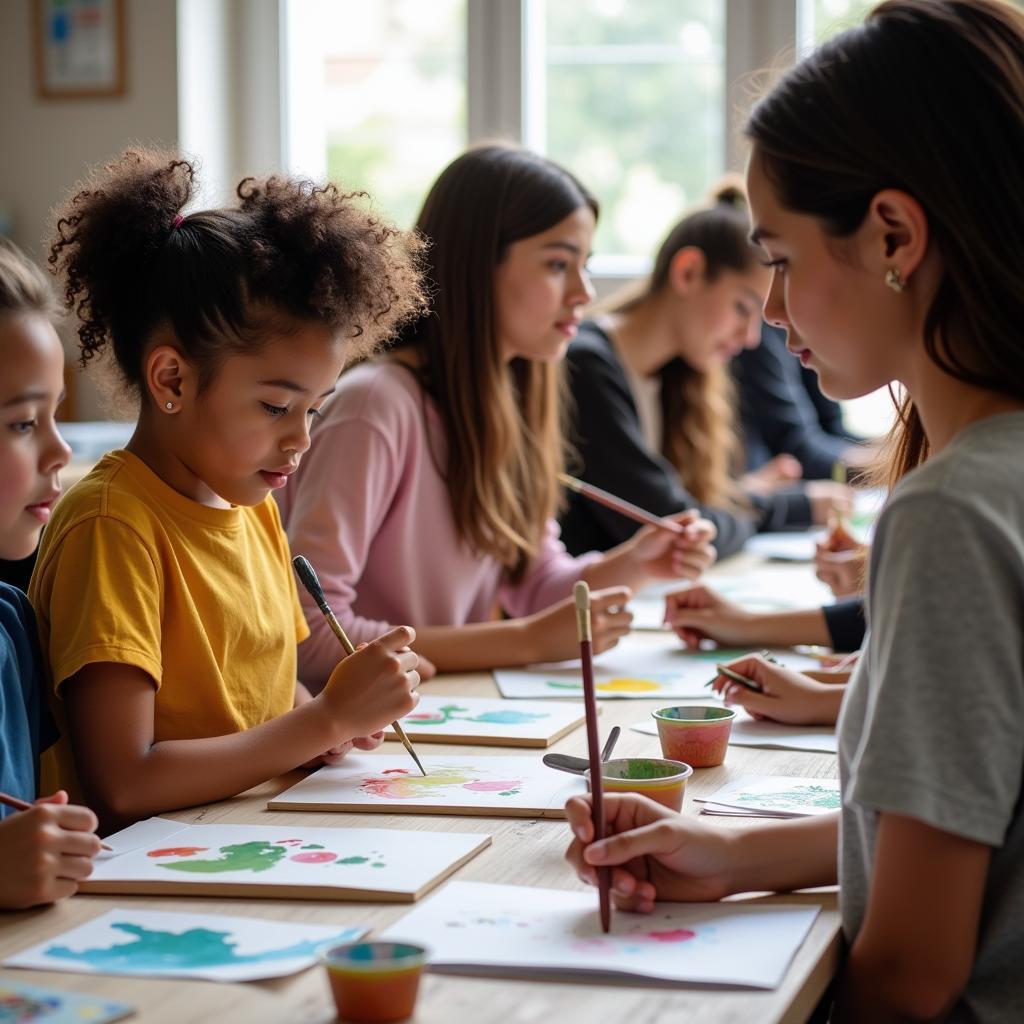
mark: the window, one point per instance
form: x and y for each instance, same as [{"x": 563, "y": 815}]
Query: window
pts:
[
  {"x": 631, "y": 97},
  {"x": 821, "y": 19},
  {"x": 375, "y": 94}
]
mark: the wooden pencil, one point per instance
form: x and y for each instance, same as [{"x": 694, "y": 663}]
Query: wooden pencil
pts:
[
  {"x": 21, "y": 805},
  {"x": 581, "y": 593},
  {"x": 620, "y": 505},
  {"x": 307, "y": 574}
]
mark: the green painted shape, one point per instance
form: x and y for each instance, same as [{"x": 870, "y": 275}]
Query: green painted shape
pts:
[
  {"x": 258, "y": 855},
  {"x": 352, "y": 860},
  {"x": 314, "y": 846}
]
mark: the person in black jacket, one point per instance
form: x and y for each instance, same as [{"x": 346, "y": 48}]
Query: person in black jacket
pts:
[
  {"x": 784, "y": 412},
  {"x": 653, "y": 405}
]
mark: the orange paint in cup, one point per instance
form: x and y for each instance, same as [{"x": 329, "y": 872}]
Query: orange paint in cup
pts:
[{"x": 374, "y": 981}]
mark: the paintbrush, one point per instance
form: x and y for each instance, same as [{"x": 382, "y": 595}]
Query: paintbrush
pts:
[
  {"x": 620, "y": 505},
  {"x": 839, "y": 476},
  {"x": 21, "y": 805},
  {"x": 729, "y": 673},
  {"x": 581, "y": 594},
  {"x": 307, "y": 574}
]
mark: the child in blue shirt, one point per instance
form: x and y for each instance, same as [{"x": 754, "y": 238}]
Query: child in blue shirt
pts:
[{"x": 46, "y": 850}]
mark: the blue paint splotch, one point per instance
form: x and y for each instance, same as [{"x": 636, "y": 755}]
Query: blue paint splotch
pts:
[{"x": 196, "y": 948}]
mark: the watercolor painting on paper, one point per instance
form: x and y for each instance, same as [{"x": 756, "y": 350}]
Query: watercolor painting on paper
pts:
[
  {"x": 496, "y": 786},
  {"x": 489, "y": 722},
  {"x": 640, "y": 667},
  {"x": 30, "y": 1004},
  {"x": 479, "y": 928},
  {"x": 157, "y": 943},
  {"x": 775, "y": 796},
  {"x": 160, "y": 856}
]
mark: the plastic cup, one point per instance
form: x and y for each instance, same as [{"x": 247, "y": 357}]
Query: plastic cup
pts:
[
  {"x": 374, "y": 981},
  {"x": 697, "y": 735},
  {"x": 661, "y": 780}
]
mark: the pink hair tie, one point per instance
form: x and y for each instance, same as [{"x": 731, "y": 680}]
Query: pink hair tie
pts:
[{"x": 177, "y": 221}]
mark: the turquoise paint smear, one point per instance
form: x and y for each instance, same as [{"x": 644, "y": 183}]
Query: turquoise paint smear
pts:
[{"x": 165, "y": 951}]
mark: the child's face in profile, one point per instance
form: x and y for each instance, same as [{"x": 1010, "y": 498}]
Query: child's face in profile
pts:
[
  {"x": 245, "y": 434},
  {"x": 32, "y": 453}
]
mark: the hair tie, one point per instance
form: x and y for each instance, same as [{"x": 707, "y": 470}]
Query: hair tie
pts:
[{"x": 177, "y": 221}]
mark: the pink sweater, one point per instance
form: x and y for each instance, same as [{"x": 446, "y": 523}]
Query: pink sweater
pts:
[{"x": 370, "y": 510}]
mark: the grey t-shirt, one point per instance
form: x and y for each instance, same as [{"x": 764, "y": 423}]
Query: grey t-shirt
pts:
[{"x": 932, "y": 726}]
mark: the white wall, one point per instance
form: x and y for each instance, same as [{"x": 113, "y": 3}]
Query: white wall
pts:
[{"x": 48, "y": 145}]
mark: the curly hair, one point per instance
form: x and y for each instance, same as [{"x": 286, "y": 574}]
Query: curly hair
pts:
[{"x": 132, "y": 262}]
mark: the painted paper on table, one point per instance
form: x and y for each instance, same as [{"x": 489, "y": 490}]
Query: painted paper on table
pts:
[
  {"x": 478, "y": 928},
  {"x": 488, "y": 722},
  {"x": 641, "y": 667},
  {"x": 156, "y": 943},
  {"x": 774, "y": 796},
  {"x": 765, "y": 589},
  {"x": 159, "y": 856},
  {"x": 517, "y": 787},
  {"x": 748, "y": 731},
  {"x": 30, "y": 1004},
  {"x": 786, "y": 545}
]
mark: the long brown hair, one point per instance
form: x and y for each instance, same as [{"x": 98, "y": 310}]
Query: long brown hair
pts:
[
  {"x": 699, "y": 434},
  {"x": 927, "y": 96},
  {"x": 503, "y": 419}
]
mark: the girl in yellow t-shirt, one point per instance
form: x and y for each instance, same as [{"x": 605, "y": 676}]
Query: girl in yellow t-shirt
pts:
[{"x": 167, "y": 608}]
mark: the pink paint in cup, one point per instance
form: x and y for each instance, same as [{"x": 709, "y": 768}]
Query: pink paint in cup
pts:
[{"x": 697, "y": 735}]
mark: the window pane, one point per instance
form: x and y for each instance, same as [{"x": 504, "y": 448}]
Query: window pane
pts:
[
  {"x": 376, "y": 94},
  {"x": 633, "y": 100},
  {"x": 832, "y": 16}
]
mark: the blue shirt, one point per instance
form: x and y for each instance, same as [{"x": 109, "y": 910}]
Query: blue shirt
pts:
[{"x": 26, "y": 728}]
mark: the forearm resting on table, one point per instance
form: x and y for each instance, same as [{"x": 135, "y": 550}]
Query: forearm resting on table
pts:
[
  {"x": 785, "y": 629},
  {"x": 125, "y": 775},
  {"x": 783, "y": 856},
  {"x": 476, "y": 646}
]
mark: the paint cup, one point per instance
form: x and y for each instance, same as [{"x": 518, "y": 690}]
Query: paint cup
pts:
[
  {"x": 374, "y": 981},
  {"x": 696, "y": 735},
  {"x": 663, "y": 781}
]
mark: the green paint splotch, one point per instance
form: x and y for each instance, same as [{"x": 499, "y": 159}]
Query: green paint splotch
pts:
[
  {"x": 158, "y": 951},
  {"x": 258, "y": 855}
]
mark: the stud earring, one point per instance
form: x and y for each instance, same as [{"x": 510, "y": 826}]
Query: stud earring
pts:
[
  {"x": 170, "y": 405},
  {"x": 894, "y": 281}
]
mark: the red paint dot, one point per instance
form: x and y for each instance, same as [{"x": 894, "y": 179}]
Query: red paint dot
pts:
[
  {"x": 395, "y": 771},
  {"x": 675, "y": 935},
  {"x": 177, "y": 851},
  {"x": 289, "y": 842}
]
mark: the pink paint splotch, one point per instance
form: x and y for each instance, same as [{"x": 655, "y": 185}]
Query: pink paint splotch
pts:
[
  {"x": 397, "y": 784},
  {"x": 672, "y": 935}
]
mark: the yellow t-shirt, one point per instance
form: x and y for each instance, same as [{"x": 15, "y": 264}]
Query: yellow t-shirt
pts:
[{"x": 202, "y": 599}]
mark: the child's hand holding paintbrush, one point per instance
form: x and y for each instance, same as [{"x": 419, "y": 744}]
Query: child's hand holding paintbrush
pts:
[
  {"x": 769, "y": 690},
  {"x": 376, "y": 683}
]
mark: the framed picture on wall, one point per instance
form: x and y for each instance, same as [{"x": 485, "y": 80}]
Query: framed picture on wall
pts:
[{"x": 79, "y": 48}]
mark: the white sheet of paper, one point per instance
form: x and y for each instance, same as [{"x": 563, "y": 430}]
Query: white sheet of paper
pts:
[
  {"x": 765, "y": 589},
  {"x": 386, "y": 862},
  {"x": 639, "y": 668},
  {"x": 157, "y": 943},
  {"x": 796, "y": 546},
  {"x": 780, "y": 795},
  {"x": 747, "y": 731},
  {"x": 490, "y": 786},
  {"x": 479, "y": 928},
  {"x": 489, "y": 722}
]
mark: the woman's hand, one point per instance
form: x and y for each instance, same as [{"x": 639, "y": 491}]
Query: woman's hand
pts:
[
  {"x": 782, "y": 471},
  {"x": 840, "y": 560},
  {"x": 659, "y": 554},
  {"x": 785, "y": 696},
  {"x": 700, "y": 613},
  {"x": 551, "y": 634},
  {"x": 654, "y": 853}
]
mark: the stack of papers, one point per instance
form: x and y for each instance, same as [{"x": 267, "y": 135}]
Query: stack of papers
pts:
[{"x": 756, "y": 796}]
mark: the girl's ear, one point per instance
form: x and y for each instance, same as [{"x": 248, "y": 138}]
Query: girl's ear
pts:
[
  {"x": 169, "y": 378},
  {"x": 894, "y": 235},
  {"x": 686, "y": 270}
]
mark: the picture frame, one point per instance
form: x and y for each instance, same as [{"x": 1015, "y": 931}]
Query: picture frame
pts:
[{"x": 79, "y": 48}]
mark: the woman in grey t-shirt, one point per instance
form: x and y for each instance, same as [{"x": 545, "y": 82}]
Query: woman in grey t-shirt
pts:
[{"x": 885, "y": 186}]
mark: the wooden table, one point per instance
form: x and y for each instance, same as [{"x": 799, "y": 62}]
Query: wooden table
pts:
[{"x": 524, "y": 852}]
